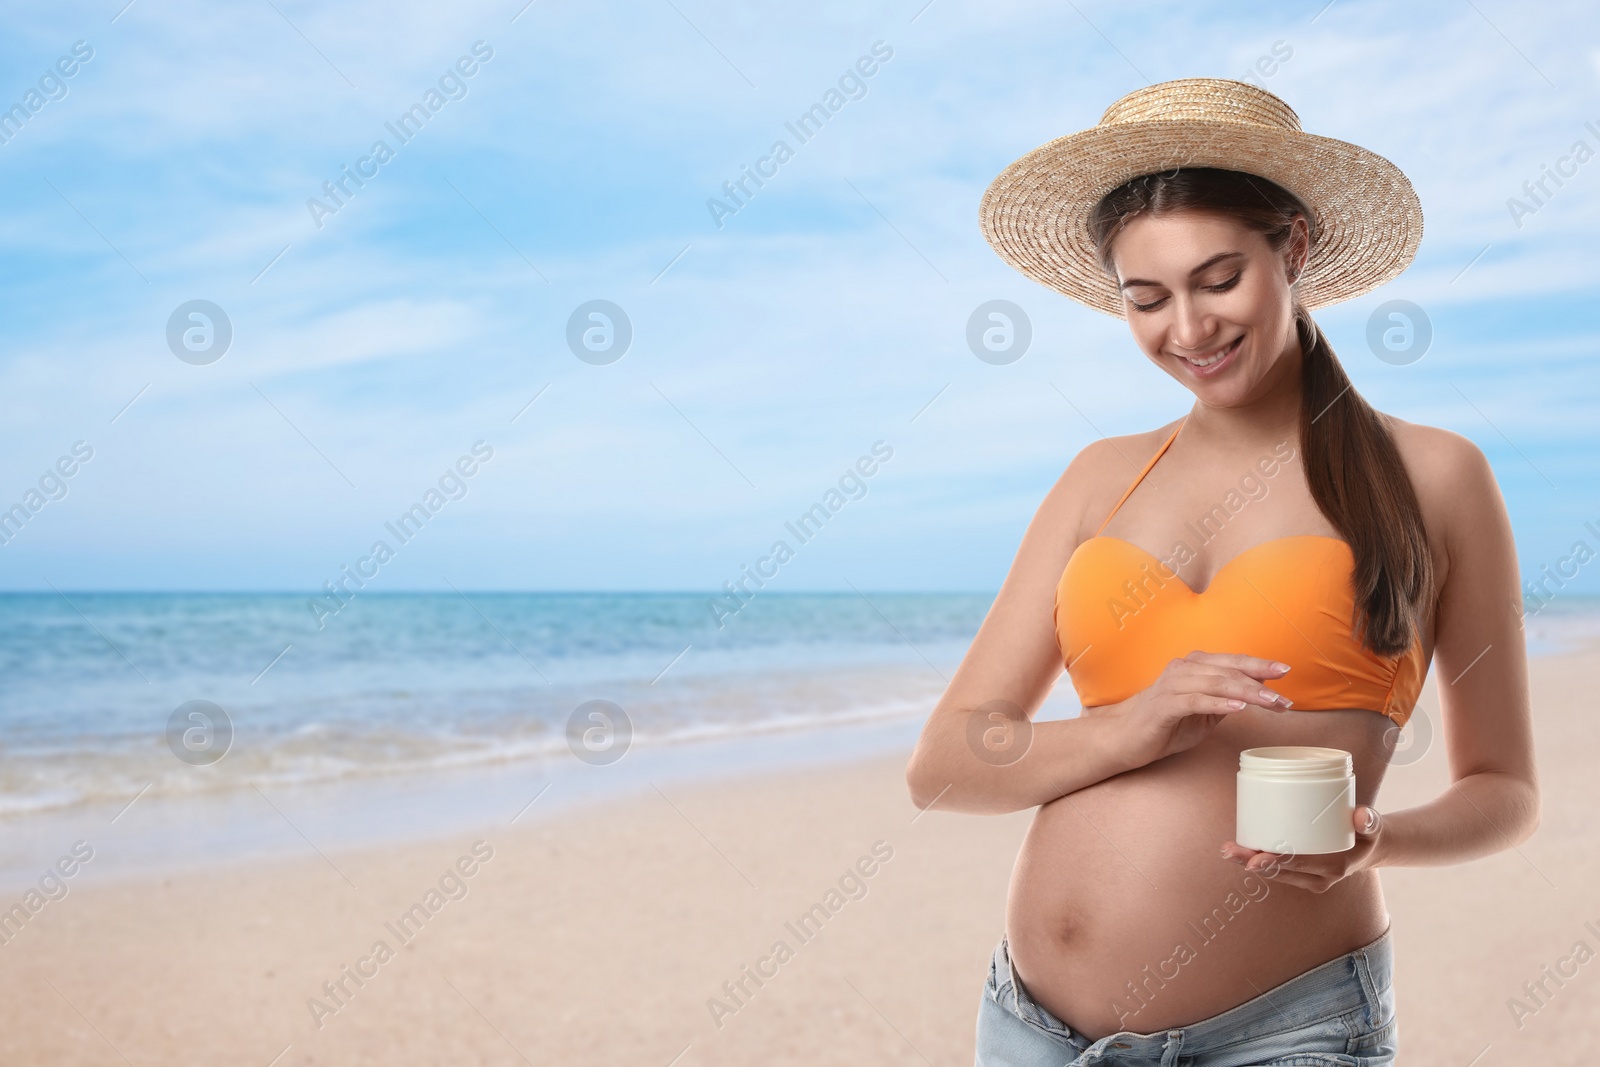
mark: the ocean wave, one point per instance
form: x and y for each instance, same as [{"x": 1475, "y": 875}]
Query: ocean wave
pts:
[{"x": 103, "y": 771}]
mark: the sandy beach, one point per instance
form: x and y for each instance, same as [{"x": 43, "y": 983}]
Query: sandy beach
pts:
[{"x": 622, "y": 932}]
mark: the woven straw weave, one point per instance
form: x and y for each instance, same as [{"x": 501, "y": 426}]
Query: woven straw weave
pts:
[{"x": 1367, "y": 218}]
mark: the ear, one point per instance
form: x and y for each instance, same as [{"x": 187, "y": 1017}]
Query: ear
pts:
[{"x": 1299, "y": 249}]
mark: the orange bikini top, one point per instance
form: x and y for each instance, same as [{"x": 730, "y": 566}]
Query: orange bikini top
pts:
[{"x": 1122, "y": 614}]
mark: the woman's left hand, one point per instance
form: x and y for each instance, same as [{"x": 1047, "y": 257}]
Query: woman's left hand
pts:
[{"x": 1316, "y": 873}]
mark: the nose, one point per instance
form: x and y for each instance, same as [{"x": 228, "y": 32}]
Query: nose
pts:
[{"x": 1189, "y": 328}]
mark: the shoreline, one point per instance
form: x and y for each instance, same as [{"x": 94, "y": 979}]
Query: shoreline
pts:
[
  {"x": 184, "y": 832},
  {"x": 670, "y": 901},
  {"x": 181, "y": 833}
]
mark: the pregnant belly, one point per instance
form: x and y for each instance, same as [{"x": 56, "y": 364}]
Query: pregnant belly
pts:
[{"x": 1123, "y": 915}]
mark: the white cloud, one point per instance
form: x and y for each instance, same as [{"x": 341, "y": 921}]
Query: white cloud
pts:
[{"x": 804, "y": 329}]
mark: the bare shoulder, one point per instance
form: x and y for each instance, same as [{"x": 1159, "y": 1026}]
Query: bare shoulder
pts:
[
  {"x": 1433, "y": 451},
  {"x": 1438, "y": 460},
  {"x": 1453, "y": 479},
  {"x": 1099, "y": 473}
]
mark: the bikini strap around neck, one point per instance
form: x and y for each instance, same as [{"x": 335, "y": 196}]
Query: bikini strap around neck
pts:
[{"x": 1129, "y": 491}]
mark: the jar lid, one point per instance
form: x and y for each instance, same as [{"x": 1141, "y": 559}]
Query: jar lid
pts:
[{"x": 1297, "y": 761}]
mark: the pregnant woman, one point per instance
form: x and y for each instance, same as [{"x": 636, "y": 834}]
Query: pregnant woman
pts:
[{"x": 1277, "y": 567}]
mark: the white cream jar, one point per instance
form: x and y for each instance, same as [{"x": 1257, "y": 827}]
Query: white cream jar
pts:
[{"x": 1296, "y": 799}]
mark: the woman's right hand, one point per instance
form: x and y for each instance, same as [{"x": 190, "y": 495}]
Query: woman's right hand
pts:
[{"x": 1188, "y": 700}]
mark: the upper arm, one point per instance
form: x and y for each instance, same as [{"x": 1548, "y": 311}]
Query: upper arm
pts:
[
  {"x": 1480, "y": 655},
  {"x": 1014, "y": 656}
]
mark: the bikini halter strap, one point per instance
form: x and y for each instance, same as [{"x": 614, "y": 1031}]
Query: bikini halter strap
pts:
[{"x": 1129, "y": 491}]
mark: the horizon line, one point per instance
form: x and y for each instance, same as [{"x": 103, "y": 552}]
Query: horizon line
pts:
[{"x": 520, "y": 592}]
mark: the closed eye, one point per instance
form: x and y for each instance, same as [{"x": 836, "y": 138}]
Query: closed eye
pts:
[{"x": 1220, "y": 287}]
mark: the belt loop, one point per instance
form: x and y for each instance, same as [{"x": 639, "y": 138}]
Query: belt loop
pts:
[
  {"x": 1369, "y": 987},
  {"x": 1173, "y": 1047},
  {"x": 1016, "y": 983}
]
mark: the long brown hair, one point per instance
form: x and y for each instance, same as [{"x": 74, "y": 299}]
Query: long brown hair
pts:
[{"x": 1353, "y": 466}]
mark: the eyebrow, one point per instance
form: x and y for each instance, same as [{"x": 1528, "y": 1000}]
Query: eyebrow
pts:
[{"x": 1218, "y": 258}]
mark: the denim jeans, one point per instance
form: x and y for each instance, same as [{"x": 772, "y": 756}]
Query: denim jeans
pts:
[{"x": 1338, "y": 1013}]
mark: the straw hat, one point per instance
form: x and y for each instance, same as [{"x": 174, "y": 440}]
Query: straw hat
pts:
[{"x": 1367, "y": 224}]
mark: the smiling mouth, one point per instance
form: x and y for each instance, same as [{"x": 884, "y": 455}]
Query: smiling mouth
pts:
[{"x": 1216, "y": 356}]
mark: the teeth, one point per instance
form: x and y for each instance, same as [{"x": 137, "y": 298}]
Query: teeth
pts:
[{"x": 1207, "y": 362}]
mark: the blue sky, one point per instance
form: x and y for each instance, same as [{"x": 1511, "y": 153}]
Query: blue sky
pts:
[{"x": 769, "y": 353}]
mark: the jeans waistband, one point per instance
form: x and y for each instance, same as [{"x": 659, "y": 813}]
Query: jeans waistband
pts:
[
  {"x": 1361, "y": 978},
  {"x": 1356, "y": 979}
]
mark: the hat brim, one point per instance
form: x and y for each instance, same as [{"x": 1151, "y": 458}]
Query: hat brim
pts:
[{"x": 1367, "y": 225}]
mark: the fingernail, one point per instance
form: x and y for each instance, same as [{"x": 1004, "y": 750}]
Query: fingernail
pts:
[
  {"x": 1269, "y": 696},
  {"x": 1281, "y": 668}
]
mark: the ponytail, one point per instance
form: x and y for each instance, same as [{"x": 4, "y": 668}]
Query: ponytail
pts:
[{"x": 1358, "y": 481}]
